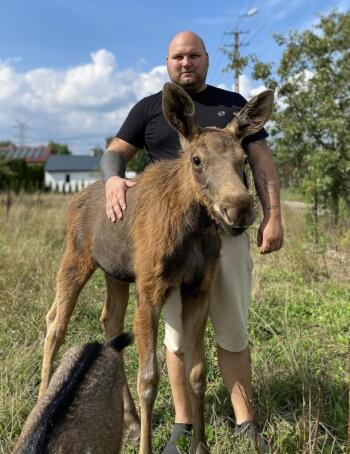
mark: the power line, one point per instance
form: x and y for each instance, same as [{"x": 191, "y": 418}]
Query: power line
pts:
[
  {"x": 236, "y": 61},
  {"x": 267, "y": 13},
  {"x": 219, "y": 56},
  {"x": 21, "y": 135},
  {"x": 280, "y": 5},
  {"x": 218, "y": 59}
]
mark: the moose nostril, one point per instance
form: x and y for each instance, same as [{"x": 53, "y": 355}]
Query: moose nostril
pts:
[
  {"x": 239, "y": 216},
  {"x": 229, "y": 214}
]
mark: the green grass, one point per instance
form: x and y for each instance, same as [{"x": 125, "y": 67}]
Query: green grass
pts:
[
  {"x": 292, "y": 195},
  {"x": 299, "y": 327}
]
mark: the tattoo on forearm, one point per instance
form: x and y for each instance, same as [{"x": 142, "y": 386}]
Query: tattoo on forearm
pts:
[
  {"x": 269, "y": 186},
  {"x": 267, "y": 189},
  {"x": 265, "y": 177}
]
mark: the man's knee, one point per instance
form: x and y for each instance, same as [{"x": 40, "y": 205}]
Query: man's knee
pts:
[
  {"x": 173, "y": 323},
  {"x": 233, "y": 346},
  {"x": 173, "y": 345}
]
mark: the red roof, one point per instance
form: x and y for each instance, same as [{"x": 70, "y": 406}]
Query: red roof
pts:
[{"x": 32, "y": 155}]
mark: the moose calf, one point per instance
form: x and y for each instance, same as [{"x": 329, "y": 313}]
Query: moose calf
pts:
[
  {"x": 82, "y": 410},
  {"x": 168, "y": 238}
]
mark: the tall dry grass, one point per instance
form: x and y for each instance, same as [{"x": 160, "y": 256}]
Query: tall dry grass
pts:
[{"x": 299, "y": 328}]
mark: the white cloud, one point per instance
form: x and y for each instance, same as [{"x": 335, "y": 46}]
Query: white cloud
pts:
[
  {"x": 302, "y": 79},
  {"x": 245, "y": 86},
  {"x": 79, "y": 106},
  {"x": 9, "y": 83},
  {"x": 247, "y": 89},
  {"x": 151, "y": 82}
]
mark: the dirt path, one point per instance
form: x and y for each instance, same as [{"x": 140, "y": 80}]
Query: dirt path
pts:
[{"x": 296, "y": 204}]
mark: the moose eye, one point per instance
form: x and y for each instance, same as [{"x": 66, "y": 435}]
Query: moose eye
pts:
[{"x": 196, "y": 161}]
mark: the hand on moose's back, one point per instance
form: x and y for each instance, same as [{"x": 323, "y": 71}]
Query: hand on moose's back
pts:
[{"x": 116, "y": 188}]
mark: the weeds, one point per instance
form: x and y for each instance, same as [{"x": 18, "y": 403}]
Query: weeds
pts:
[{"x": 299, "y": 328}]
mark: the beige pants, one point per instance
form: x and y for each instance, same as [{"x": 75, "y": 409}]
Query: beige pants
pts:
[{"x": 230, "y": 297}]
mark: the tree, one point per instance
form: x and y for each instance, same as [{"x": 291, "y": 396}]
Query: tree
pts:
[
  {"x": 237, "y": 62},
  {"x": 109, "y": 140},
  {"x": 5, "y": 173},
  {"x": 311, "y": 122},
  {"x": 138, "y": 162},
  {"x": 16, "y": 174},
  {"x": 97, "y": 151},
  {"x": 5, "y": 143},
  {"x": 59, "y": 148}
]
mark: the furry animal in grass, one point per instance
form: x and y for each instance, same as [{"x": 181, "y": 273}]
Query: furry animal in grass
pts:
[{"x": 82, "y": 410}]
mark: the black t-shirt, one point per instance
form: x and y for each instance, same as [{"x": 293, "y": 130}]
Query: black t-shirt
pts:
[{"x": 146, "y": 126}]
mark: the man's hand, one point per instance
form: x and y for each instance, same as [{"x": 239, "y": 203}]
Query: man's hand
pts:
[
  {"x": 116, "y": 188},
  {"x": 270, "y": 235}
]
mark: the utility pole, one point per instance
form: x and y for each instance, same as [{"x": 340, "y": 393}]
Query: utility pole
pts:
[{"x": 237, "y": 63}]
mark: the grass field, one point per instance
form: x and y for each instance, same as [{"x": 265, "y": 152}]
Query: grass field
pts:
[{"x": 299, "y": 327}]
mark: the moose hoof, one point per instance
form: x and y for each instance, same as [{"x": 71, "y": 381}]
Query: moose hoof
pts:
[
  {"x": 133, "y": 428},
  {"x": 202, "y": 449}
]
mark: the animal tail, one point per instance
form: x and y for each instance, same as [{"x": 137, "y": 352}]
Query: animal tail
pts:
[
  {"x": 120, "y": 342},
  {"x": 39, "y": 439}
]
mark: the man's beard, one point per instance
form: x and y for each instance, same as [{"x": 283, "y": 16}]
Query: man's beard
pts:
[{"x": 192, "y": 84}]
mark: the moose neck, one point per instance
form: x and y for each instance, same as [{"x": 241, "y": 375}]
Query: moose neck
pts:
[{"x": 194, "y": 206}]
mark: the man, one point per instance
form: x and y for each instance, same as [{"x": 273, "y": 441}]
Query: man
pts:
[{"x": 187, "y": 64}]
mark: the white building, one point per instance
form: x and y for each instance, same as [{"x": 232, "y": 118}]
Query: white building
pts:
[{"x": 71, "y": 172}]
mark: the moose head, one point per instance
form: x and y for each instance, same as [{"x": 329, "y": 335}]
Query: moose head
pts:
[{"x": 216, "y": 156}]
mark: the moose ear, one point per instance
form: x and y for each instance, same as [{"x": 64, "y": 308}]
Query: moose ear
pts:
[
  {"x": 178, "y": 109},
  {"x": 252, "y": 117}
]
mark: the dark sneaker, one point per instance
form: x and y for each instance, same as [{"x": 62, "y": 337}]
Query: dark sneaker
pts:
[
  {"x": 248, "y": 430},
  {"x": 179, "y": 431}
]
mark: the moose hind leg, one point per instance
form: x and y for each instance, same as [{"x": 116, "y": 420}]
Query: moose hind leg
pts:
[
  {"x": 146, "y": 329},
  {"x": 195, "y": 307},
  {"x": 112, "y": 319},
  {"x": 73, "y": 273},
  {"x": 114, "y": 309}
]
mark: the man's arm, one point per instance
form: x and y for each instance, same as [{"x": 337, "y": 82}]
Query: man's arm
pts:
[
  {"x": 113, "y": 164},
  {"x": 270, "y": 233}
]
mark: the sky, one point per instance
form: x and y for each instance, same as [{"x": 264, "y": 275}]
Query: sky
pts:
[{"x": 70, "y": 70}]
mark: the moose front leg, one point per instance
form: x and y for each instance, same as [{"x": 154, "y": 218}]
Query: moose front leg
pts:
[
  {"x": 146, "y": 330},
  {"x": 195, "y": 308}
]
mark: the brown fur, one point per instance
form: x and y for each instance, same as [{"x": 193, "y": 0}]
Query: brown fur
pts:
[
  {"x": 82, "y": 410},
  {"x": 169, "y": 237}
]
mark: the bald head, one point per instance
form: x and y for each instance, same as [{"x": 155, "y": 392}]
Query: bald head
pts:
[
  {"x": 187, "y": 61},
  {"x": 186, "y": 37}
]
